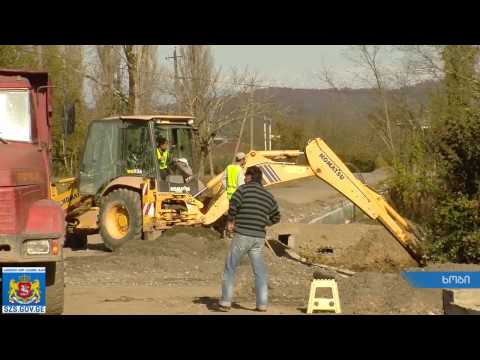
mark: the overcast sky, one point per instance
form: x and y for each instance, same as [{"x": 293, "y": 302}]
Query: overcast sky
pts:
[{"x": 282, "y": 65}]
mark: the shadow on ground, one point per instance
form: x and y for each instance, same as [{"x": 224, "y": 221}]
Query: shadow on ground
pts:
[
  {"x": 98, "y": 247},
  {"x": 212, "y": 304}
]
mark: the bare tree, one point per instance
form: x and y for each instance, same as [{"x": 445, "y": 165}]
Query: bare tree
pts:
[
  {"x": 131, "y": 56},
  {"x": 126, "y": 78},
  {"x": 215, "y": 103},
  {"x": 64, "y": 64},
  {"x": 107, "y": 76},
  {"x": 150, "y": 76},
  {"x": 367, "y": 56},
  {"x": 424, "y": 61},
  {"x": 392, "y": 71}
]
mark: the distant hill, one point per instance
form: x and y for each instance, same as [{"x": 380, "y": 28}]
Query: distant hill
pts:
[
  {"x": 328, "y": 106},
  {"x": 315, "y": 102},
  {"x": 312, "y": 102},
  {"x": 333, "y": 108}
]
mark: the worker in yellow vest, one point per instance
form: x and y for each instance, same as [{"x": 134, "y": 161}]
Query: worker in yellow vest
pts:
[
  {"x": 233, "y": 175},
  {"x": 164, "y": 157}
]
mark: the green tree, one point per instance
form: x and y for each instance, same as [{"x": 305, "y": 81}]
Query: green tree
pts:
[
  {"x": 65, "y": 67},
  {"x": 292, "y": 134},
  {"x": 458, "y": 128},
  {"x": 66, "y": 72},
  {"x": 436, "y": 181},
  {"x": 18, "y": 57}
]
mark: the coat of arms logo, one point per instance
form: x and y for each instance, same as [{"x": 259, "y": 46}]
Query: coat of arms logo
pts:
[{"x": 24, "y": 291}]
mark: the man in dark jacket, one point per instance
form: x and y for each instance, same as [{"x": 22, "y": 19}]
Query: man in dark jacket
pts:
[{"x": 252, "y": 208}]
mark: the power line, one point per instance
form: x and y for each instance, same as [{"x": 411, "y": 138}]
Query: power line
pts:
[
  {"x": 249, "y": 84},
  {"x": 175, "y": 65}
]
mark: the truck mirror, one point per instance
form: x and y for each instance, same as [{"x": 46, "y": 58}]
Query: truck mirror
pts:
[{"x": 69, "y": 119}]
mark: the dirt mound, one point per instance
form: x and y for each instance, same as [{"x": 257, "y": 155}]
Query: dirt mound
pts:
[
  {"x": 377, "y": 293},
  {"x": 191, "y": 256},
  {"x": 182, "y": 242},
  {"x": 358, "y": 247},
  {"x": 378, "y": 250}
]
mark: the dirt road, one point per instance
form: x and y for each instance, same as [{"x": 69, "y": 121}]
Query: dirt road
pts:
[
  {"x": 179, "y": 273},
  {"x": 178, "y": 300}
]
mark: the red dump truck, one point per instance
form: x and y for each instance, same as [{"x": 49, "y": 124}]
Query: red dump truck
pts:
[{"x": 32, "y": 226}]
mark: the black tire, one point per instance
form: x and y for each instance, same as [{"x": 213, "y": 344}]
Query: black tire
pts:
[
  {"x": 129, "y": 203},
  {"x": 55, "y": 288}
]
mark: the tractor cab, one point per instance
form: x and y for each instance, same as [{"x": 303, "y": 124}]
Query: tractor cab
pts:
[{"x": 130, "y": 146}]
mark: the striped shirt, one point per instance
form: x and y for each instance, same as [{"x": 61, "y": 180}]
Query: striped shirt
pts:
[{"x": 253, "y": 208}]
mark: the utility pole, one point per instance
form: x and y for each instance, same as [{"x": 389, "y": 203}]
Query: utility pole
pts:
[
  {"x": 251, "y": 132},
  {"x": 237, "y": 146},
  {"x": 270, "y": 134},
  {"x": 251, "y": 116},
  {"x": 247, "y": 112},
  {"x": 264, "y": 133},
  {"x": 175, "y": 65}
]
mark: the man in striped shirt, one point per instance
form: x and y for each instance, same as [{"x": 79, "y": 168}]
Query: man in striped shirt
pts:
[{"x": 252, "y": 208}]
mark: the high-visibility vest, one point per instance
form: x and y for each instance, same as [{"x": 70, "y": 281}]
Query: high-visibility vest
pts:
[
  {"x": 162, "y": 159},
  {"x": 232, "y": 179}
]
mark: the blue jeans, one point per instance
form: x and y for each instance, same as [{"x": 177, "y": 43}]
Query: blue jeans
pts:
[{"x": 240, "y": 246}]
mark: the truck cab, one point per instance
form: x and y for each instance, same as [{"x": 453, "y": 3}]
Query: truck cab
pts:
[{"x": 32, "y": 226}]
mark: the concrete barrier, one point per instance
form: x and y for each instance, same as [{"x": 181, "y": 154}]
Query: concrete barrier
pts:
[
  {"x": 461, "y": 302},
  {"x": 345, "y": 213}
]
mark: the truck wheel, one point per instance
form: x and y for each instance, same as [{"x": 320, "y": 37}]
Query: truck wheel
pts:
[
  {"x": 55, "y": 291},
  {"x": 120, "y": 218}
]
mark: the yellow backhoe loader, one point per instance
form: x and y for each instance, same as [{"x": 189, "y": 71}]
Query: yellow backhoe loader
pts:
[{"x": 121, "y": 192}]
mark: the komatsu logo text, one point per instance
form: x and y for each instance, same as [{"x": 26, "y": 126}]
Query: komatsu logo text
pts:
[
  {"x": 332, "y": 166},
  {"x": 180, "y": 189}
]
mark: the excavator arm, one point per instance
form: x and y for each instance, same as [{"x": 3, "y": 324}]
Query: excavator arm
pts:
[
  {"x": 278, "y": 167},
  {"x": 328, "y": 167}
]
